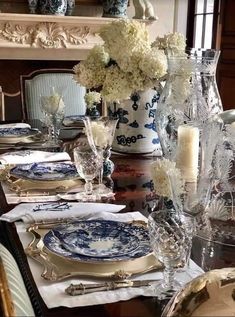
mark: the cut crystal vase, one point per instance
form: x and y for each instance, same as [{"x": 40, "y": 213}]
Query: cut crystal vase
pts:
[
  {"x": 190, "y": 95},
  {"x": 211, "y": 198}
]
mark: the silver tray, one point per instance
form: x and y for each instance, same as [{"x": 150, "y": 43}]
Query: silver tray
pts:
[{"x": 210, "y": 294}]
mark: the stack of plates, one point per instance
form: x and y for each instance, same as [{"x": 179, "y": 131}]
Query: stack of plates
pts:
[
  {"x": 74, "y": 121},
  {"x": 16, "y": 135},
  {"x": 54, "y": 171},
  {"x": 42, "y": 176},
  {"x": 98, "y": 241},
  {"x": 97, "y": 248}
]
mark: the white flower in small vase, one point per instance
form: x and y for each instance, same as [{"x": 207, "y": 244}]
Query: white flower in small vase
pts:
[
  {"x": 101, "y": 134},
  {"x": 160, "y": 171},
  {"x": 92, "y": 99},
  {"x": 53, "y": 103}
]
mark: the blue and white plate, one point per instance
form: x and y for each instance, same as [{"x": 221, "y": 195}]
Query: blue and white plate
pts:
[
  {"x": 17, "y": 132},
  {"x": 98, "y": 240},
  {"x": 74, "y": 121},
  {"x": 54, "y": 171}
]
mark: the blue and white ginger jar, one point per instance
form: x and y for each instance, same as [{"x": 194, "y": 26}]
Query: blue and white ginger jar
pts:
[{"x": 136, "y": 128}]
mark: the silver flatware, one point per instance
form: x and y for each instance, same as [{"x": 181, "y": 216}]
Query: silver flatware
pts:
[{"x": 81, "y": 288}]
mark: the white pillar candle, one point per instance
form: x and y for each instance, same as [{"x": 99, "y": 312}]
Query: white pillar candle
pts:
[{"x": 187, "y": 152}]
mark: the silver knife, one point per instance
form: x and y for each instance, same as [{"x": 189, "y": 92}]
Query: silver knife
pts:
[{"x": 80, "y": 289}]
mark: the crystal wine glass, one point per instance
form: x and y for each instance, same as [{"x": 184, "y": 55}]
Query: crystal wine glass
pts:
[
  {"x": 52, "y": 106},
  {"x": 88, "y": 164},
  {"x": 170, "y": 241},
  {"x": 100, "y": 133}
]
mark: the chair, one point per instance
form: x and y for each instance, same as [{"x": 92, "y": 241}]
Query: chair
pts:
[
  {"x": 8, "y": 105},
  {"x": 14, "y": 299},
  {"x": 38, "y": 82}
]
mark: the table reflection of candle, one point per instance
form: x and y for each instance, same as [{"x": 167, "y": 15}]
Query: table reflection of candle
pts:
[{"x": 188, "y": 151}]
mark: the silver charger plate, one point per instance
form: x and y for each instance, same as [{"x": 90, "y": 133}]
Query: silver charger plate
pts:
[
  {"x": 54, "y": 171},
  {"x": 98, "y": 240},
  {"x": 17, "y": 132},
  {"x": 210, "y": 294}
]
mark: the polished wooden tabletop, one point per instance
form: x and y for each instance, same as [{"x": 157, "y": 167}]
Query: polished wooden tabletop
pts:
[{"x": 134, "y": 188}]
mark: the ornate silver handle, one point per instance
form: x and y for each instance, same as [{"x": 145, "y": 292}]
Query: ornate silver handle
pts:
[{"x": 80, "y": 289}]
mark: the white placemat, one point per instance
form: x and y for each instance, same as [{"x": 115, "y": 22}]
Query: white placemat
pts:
[{"x": 53, "y": 293}]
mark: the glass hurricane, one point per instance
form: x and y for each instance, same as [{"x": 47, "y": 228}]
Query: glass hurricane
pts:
[
  {"x": 100, "y": 133},
  {"x": 170, "y": 241},
  {"x": 190, "y": 95}
]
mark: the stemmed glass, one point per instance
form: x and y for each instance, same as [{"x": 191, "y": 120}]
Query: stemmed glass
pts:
[
  {"x": 169, "y": 241},
  {"x": 52, "y": 106},
  {"x": 100, "y": 133},
  {"x": 88, "y": 164}
]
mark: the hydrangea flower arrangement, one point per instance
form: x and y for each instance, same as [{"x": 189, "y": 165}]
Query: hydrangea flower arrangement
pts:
[{"x": 126, "y": 62}]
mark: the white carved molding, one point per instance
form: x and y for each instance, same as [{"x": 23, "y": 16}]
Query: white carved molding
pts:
[
  {"x": 26, "y": 36},
  {"x": 44, "y": 37}
]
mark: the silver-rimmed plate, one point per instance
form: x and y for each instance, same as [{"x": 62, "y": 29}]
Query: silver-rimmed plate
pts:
[
  {"x": 98, "y": 240},
  {"x": 54, "y": 171},
  {"x": 210, "y": 294}
]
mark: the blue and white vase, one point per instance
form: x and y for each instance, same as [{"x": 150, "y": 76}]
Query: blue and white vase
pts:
[
  {"x": 136, "y": 128},
  {"x": 33, "y": 6},
  {"x": 115, "y": 8},
  {"x": 70, "y": 7},
  {"x": 53, "y": 7}
]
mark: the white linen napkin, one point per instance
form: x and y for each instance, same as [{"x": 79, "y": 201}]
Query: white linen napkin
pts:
[
  {"x": 14, "y": 125},
  {"x": 31, "y": 156},
  {"x": 53, "y": 293},
  {"x": 52, "y": 211}
]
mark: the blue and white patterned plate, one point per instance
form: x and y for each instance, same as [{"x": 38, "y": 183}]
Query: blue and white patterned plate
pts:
[
  {"x": 54, "y": 171},
  {"x": 98, "y": 240},
  {"x": 17, "y": 132}
]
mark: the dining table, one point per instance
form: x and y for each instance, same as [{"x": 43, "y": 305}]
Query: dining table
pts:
[{"x": 133, "y": 187}]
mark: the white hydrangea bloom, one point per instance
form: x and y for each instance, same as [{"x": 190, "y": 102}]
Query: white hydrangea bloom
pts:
[
  {"x": 101, "y": 134},
  {"x": 154, "y": 64},
  {"x": 53, "y": 103},
  {"x": 171, "y": 42},
  {"x": 91, "y": 72},
  {"x": 116, "y": 85},
  {"x": 160, "y": 170},
  {"x": 124, "y": 37},
  {"x": 92, "y": 97}
]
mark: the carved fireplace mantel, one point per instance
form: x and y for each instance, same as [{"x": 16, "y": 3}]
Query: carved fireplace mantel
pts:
[{"x": 43, "y": 37}]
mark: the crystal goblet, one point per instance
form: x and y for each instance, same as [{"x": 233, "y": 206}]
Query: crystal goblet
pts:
[
  {"x": 88, "y": 164},
  {"x": 169, "y": 241},
  {"x": 100, "y": 133}
]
